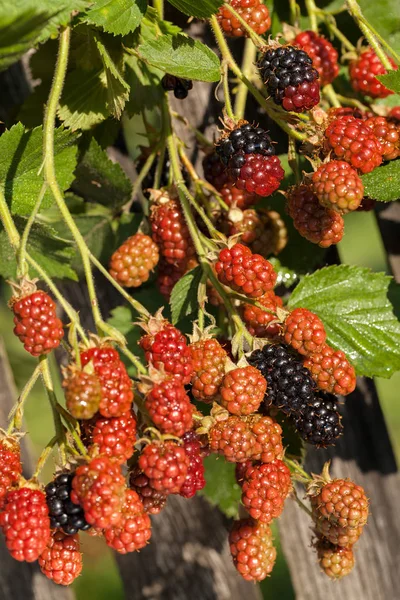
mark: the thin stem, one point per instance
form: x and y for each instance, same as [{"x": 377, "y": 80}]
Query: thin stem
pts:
[
  {"x": 159, "y": 168},
  {"x": 159, "y": 6},
  {"x": 294, "y": 466},
  {"x": 255, "y": 38},
  {"x": 49, "y": 166},
  {"x": 294, "y": 12},
  {"x": 249, "y": 57},
  {"x": 301, "y": 504},
  {"x": 312, "y": 10},
  {"x": 22, "y": 267},
  {"x": 351, "y": 102},
  {"x": 48, "y": 384},
  {"x": 134, "y": 360},
  {"x": 383, "y": 41},
  {"x": 8, "y": 223},
  {"x": 337, "y": 33},
  {"x": 16, "y": 413},
  {"x": 355, "y": 11},
  {"x": 330, "y": 93},
  {"x": 138, "y": 182},
  {"x": 227, "y": 94},
  {"x": 44, "y": 456}
]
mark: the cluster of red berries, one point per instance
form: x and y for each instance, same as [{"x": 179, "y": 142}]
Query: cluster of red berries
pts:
[{"x": 254, "y": 12}]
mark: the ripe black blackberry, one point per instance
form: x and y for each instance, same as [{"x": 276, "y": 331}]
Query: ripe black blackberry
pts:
[
  {"x": 290, "y": 77},
  {"x": 179, "y": 86},
  {"x": 246, "y": 139},
  {"x": 290, "y": 386},
  {"x": 64, "y": 514},
  {"x": 320, "y": 422}
]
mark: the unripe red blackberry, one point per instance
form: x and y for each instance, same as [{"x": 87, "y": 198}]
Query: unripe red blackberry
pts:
[
  {"x": 290, "y": 78},
  {"x": 195, "y": 476},
  {"x": 115, "y": 437},
  {"x": 344, "y": 537},
  {"x": 168, "y": 275},
  {"x": 254, "y": 12},
  {"x": 179, "y": 86},
  {"x": 166, "y": 465},
  {"x": 25, "y": 523},
  {"x": 259, "y": 322},
  {"x": 264, "y": 490},
  {"x": 388, "y": 134},
  {"x": 323, "y": 54},
  {"x": 363, "y": 73},
  {"x": 320, "y": 422},
  {"x": 337, "y": 186},
  {"x": 242, "y": 390},
  {"x": 10, "y": 465},
  {"x": 340, "y": 502},
  {"x": 170, "y": 231},
  {"x": 335, "y": 561},
  {"x": 152, "y": 500},
  {"x": 134, "y": 529},
  {"x": 244, "y": 272},
  {"x": 320, "y": 225},
  {"x": 99, "y": 487},
  {"x": 395, "y": 113},
  {"x": 61, "y": 560},
  {"x": 208, "y": 358},
  {"x": 257, "y": 174},
  {"x": 252, "y": 551},
  {"x": 116, "y": 386},
  {"x": 263, "y": 231},
  {"x": 82, "y": 393},
  {"x": 304, "y": 331},
  {"x": 169, "y": 407},
  {"x": 36, "y": 322},
  {"x": 267, "y": 434},
  {"x": 233, "y": 439},
  {"x": 133, "y": 262},
  {"x": 243, "y": 140},
  {"x": 331, "y": 371},
  {"x": 351, "y": 140},
  {"x": 166, "y": 348},
  {"x": 232, "y": 196}
]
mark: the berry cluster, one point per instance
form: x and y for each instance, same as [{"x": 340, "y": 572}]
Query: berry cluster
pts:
[
  {"x": 179, "y": 86},
  {"x": 254, "y": 12}
]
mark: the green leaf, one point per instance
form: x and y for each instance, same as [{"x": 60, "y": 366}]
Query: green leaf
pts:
[
  {"x": 197, "y": 8},
  {"x": 184, "y": 295},
  {"x": 116, "y": 16},
  {"x": 383, "y": 184},
  {"x": 383, "y": 15},
  {"x": 145, "y": 86},
  {"x": 221, "y": 488},
  {"x": 100, "y": 180},
  {"x": 84, "y": 100},
  {"x": 391, "y": 80},
  {"x": 21, "y": 158},
  {"x": 358, "y": 317},
  {"x": 181, "y": 56},
  {"x": 52, "y": 253},
  {"x": 117, "y": 88}
]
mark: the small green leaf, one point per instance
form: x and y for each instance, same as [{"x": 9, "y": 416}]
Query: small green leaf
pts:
[
  {"x": 383, "y": 184},
  {"x": 221, "y": 488},
  {"x": 21, "y": 158},
  {"x": 181, "y": 56},
  {"x": 391, "y": 80},
  {"x": 117, "y": 88},
  {"x": 100, "y": 180},
  {"x": 84, "y": 100},
  {"x": 197, "y": 8},
  {"x": 144, "y": 81},
  {"x": 358, "y": 317},
  {"x": 52, "y": 253},
  {"x": 184, "y": 295},
  {"x": 118, "y": 17}
]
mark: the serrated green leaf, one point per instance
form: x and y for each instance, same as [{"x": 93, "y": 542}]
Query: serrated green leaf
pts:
[
  {"x": 383, "y": 184},
  {"x": 21, "y": 158},
  {"x": 84, "y": 100},
  {"x": 181, "y": 56},
  {"x": 221, "y": 487},
  {"x": 53, "y": 254},
  {"x": 184, "y": 295},
  {"x": 117, "y": 88},
  {"x": 197, "y": 8},
  {"x": 384, "y": 15},
  {"x": 391, "y": 80},
  {"x": 144, "y": 81},
  {"x": 118, "y": 17},
  {"x": 358, "y": 317},
  {"x": 100, "y": 180}
]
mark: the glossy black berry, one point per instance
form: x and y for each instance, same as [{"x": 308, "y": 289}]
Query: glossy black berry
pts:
[
  {"x": 320, "y": 423},
  {"x": 64, "y": 514},
  {"x": 179, "y": 86},
  {"x": 290, "y": 77},
  {"x": 246, "y": 139},
  {"x": 290, "y": 386}
]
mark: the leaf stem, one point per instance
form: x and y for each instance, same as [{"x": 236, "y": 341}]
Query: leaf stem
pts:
[
  {"x": 249, "y": 57},
  {"x": 22, "y": 267}
]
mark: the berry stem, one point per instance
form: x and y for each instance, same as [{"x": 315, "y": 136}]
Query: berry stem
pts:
[
  {"x": 49, "y": 167},
  {"x": 355, "y": 11},
  {"x": 48, "y": 384},
  {"x": 138, "y": 182},
  {"x": 312, "y": 13},
  {"x": 226, "y": 54},
  {"x": 8, "y": 223},
  {"x": 330, "y": 93},
  {"x": 16, "y": 414},
  {"x": 22, "y": 268},
  {"x": 297, "y": 470},
  {"x": 249, "y": 57},
  {"x": 159, "y": 6},
  {"x": 44, "y": 456},
  {"x": 301, "y": 504},
  {"x": 255, "y": 38},
  {"x": 337, "y": 33},
  {"x": 294, "y": 12},
  {"x": 293, "y": 159},
  {"x": 159, "y": 168},
  {"x": 227, "y": 94}
]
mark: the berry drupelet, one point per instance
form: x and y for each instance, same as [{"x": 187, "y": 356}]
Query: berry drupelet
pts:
[
  {"x": 245, "y": 139},
  {"x": 320, "y": 422},
  {"x": 290, "y": 77},
  {"x": 323, "y": 54},
  {"x": 254, "y": 12},
  {"x": 64, "y": 514},
  {"x": 363, "y": 73},
  {"x": 179, "y": 86}
]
